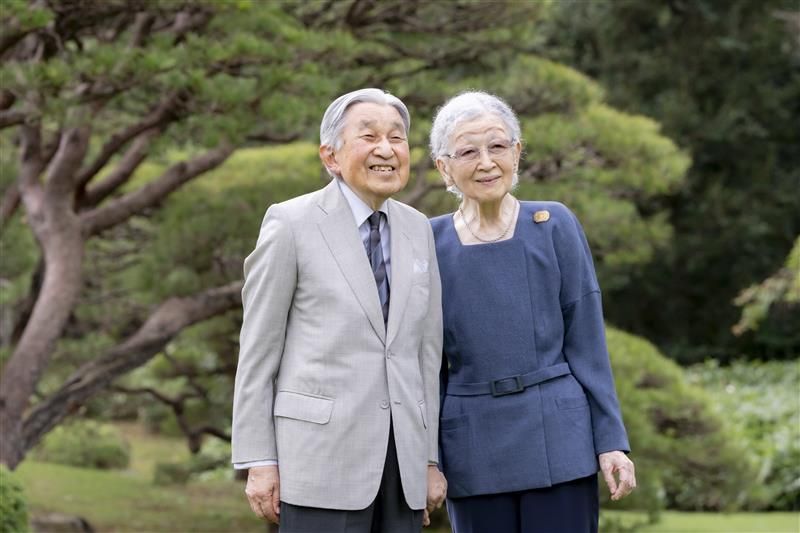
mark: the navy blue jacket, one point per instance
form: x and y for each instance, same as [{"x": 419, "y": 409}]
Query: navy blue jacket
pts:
[{"x": 528, "y": 397}]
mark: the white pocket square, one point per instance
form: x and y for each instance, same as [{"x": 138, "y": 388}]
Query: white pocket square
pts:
[{"x": 420, "y": 266}]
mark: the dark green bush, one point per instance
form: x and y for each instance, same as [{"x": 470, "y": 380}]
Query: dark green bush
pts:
[
  {"x": 13, "y": 511},
  {"x": 85, "y": 443},
  {"x": 687, "y": 455}
]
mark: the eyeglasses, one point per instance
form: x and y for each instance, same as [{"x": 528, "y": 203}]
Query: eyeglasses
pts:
[{"x": 472, "y": 153}]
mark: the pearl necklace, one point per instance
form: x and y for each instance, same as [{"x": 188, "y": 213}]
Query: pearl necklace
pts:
[{"x": 503, "y": 234}]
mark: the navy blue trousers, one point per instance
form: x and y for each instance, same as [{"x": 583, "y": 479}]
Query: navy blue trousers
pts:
[{"x": 570, "y": 507}]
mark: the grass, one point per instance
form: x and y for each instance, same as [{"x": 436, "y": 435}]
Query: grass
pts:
[
  {"x": 117, "y": 501},
  {"x": 680, "y": 522},
  {"x": 128, "y": 500}
]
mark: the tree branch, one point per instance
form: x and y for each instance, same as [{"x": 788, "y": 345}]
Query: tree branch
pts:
[
  {"x": 11, "y": 36},
  {"x": 122, "y": 172},
  {"x": 166, "y": 322},
  {"x": 421, "y": 184},
  {"x": 268, "y": 137},
  {"x": 7, "y": 99},
  {"x": 123, "y": 208},
  {"x": 160, "y": 116},
  {"x": 9, "y": 204},
  {"x": 30, "y": 168},
  {"x": 72, "y": 149},
  {"x": 11, "y": 117},
  {"x": 141, "y": 29}
]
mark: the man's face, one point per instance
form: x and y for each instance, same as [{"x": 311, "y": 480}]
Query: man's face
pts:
[{"x": 374, "y": 157}]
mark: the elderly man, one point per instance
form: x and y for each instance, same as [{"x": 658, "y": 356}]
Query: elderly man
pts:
[{"x": 336, "y": 404}]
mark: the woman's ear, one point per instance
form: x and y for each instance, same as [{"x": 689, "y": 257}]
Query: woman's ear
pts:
[
  {"x": 328, "y": 157},
  {"x": 517, "y": 154},
  {"x": 442, "y": 168}
]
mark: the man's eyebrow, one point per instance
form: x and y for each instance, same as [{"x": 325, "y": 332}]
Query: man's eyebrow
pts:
[{"x": 371, "y": 123}]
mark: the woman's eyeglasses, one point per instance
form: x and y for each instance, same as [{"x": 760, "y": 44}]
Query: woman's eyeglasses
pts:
[{"x": 472, "y": 153}]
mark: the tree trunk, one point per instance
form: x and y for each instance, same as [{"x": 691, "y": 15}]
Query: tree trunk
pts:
[
  {"x": 63, "y": 255},
  {"x": 167, "y": 321}
]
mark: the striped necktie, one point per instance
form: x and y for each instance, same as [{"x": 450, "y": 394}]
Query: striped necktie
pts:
[{"x": 375, "y": 253}]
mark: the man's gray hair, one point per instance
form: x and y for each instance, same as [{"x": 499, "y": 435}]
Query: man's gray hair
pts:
[
  {"x": 333, "y": 121},
  {"x": 466, "y": 107}
]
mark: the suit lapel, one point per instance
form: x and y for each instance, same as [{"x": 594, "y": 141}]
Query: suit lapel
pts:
[
  {"x": 341, "y": 235},
  {"x": 402, "y": 257}
]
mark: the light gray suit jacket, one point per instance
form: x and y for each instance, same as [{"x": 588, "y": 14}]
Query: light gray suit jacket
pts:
[{"x": 319, "y": 375}]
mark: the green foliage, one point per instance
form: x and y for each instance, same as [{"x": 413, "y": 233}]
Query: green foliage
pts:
[
  {"x": 265, "y": 71},
  {"x": 211, "y": 463},
  {"x": 722, "y": 79},
  {"x": 84, "y": 443},
  {"x": 203, "y": 235},
  {"x": 129, "y": 501},
  {"x": 171, "y": 474},
  {"x": 686, "y": 454},
  {"x": 761, "y": 402},
  {"x": 20, "y": 15},
  {"x": 607, "y": 160},
  {"x": 771, "y": 309},
  {"x": 13, "y": 509}
]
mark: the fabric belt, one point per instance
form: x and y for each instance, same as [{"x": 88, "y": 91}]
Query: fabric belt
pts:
[{"x": 508, "y": 385}]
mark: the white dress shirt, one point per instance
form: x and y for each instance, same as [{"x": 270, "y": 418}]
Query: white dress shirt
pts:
[{"x": 361, "y": 212}]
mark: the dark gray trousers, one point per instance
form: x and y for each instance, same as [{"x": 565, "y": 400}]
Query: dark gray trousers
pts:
[{"x": 388, "y": 513}]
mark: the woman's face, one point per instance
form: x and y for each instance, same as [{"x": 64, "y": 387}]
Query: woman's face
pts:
[{"x": 482, "y": 159}]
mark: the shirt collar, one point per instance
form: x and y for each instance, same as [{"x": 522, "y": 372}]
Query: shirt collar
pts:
[{"x": 361, "y": 211}]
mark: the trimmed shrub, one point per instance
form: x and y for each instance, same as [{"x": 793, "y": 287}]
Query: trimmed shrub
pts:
[
  {"x": 172, "y": 473},
  {"x": 85, "y": 443},
  {"x": 213, "y": 461},
  {"x": 13, "y": 511},
  {"x": 687, "y": 455}
]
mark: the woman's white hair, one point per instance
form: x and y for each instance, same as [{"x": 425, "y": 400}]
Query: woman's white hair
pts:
[{"x": 466, "y": 107}]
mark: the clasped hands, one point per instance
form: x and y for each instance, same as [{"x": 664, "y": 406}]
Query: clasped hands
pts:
[{"x": 264, "y": 493}]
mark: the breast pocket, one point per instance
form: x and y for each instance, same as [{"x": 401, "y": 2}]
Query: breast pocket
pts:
[{"x": 299, "y": 406}]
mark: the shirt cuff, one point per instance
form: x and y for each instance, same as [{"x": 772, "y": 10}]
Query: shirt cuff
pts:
[{"x": 251, "y": 464}]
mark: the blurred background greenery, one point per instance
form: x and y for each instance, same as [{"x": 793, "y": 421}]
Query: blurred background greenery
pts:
[{"x": 141, "y": 143}]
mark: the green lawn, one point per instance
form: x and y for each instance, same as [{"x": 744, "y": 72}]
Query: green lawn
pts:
[
  {"x": 675, "y": 522},
  {"x": 129, "y": 501}
]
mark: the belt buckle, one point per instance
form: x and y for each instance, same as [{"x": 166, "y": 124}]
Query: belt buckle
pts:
[{"x": 517, "y": 388}]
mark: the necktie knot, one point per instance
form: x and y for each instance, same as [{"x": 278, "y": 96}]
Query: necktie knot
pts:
[{"x": 375, "y": 220}]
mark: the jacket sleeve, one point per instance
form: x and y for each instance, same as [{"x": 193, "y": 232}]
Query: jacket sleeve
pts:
[
  {"x": 584, "y": 345},
  {"x": 270, "y": 277},
  {"x": 431, "y": 350}
]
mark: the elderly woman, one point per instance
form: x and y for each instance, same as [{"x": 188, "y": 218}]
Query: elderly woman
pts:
[{"x": 529, "y": 409}]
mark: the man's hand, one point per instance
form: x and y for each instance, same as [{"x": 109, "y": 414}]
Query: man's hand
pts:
[
  {"x": 264, "y": 492},
  {"x": 618, "y": 462},
  {"x": 437, "y": 492}
]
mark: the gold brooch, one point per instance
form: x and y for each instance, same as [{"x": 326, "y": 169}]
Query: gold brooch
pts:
[{"x": 541, "y": 216}]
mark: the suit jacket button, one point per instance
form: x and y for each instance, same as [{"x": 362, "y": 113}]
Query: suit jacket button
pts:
[{"x": 384, "y": 404}]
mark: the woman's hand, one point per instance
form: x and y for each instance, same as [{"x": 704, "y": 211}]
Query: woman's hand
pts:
[
  {"x": 618, "y": 462},
  {"x": 437, "y": 492}
]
